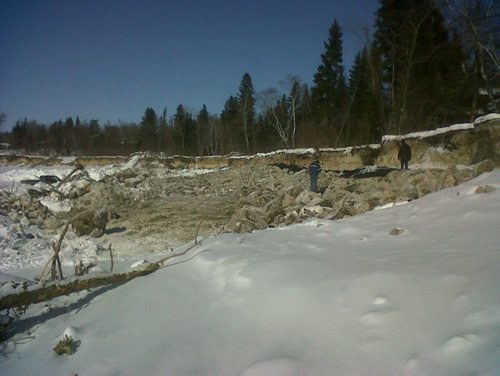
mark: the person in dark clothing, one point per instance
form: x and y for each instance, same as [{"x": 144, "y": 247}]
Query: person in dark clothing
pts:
[
  {"x": 314, "y": 170},
  {"x": 404, "y": 154}
]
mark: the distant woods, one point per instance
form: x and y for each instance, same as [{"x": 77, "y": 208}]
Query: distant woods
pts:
[{"x": 427, "y": 64}]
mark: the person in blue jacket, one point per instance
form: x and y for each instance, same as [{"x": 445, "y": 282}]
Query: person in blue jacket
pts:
[{"x": 314, "y": 170}]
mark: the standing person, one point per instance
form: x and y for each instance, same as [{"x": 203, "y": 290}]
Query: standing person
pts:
[
  {"x": 314, "y": 170},
  {"x": 404, "y": 154}
]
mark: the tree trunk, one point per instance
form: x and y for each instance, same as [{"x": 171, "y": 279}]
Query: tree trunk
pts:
[
  {"x": 45, "y": 293},
  {"x": 52, "y": 291}
]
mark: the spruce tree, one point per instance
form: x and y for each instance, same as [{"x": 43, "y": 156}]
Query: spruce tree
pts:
[
  {"x": 148, "y": 131},
  {"x": 328, "y": 91},
  {"x": 246, "y": 100},
  {"x": 230, "y": 120},
  {"x": 3, "y": 118},
  {"x": 363, "y": 111},
  {"x": 69, "y": 135},
  {"x": 185, "y": 131},
  {"x": 203, "y": 131}
]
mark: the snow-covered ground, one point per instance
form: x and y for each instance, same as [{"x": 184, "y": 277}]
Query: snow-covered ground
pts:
[{"x": 411, "y": 289}]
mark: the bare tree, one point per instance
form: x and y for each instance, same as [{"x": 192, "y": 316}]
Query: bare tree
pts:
[
  {"x": 284, "y": 121},
  {"x": 293, "y": 84},
  {"x": 268, "y": 101},
  {"x": 402, "y": 75},
  {"x": 477, "y": 21}
]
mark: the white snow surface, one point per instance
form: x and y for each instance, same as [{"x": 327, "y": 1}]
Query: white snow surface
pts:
[
  {"x": 488, "y": 117},
  {"x": 340, "y": 297},
  {"x": 455, "y": 127}
]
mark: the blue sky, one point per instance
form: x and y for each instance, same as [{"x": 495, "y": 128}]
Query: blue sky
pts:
[{"x": 110, "y": 60}]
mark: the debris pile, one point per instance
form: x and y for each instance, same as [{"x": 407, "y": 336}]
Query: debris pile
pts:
[{"x": 148, "y": 206}]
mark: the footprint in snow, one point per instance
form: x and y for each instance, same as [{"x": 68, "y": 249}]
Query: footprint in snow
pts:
[
  {"x": 379, "y": 314},
  {"x": 459, "y": 344}
]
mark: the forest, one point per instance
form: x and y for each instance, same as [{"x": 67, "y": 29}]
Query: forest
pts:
[{"x": 427, "y": 64}]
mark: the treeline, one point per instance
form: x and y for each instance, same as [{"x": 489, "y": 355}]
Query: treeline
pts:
[{"x": 427, "y": 64}]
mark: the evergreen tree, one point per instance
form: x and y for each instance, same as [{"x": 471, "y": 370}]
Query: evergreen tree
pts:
[
  {"x": 246, "y": 99},
  {"x": 94, "y": 132},
  {"x": 163, "y": 130},
  {"x": 203, "y": 132},
  {"x": 307, "y": 131},
  {"x": 81, "y": 135},
  {"x": 230, "y": 119},
  {"x": 305, "y": 106},
  {"x": 329, "y": 87},
  {"x": 69, "y": 136},
  {"x": 185, "y": 131},
  {"x": 3, "y": 118},
  {"x": 363, "y": 119},
  {"x": 149, "y": 130},
  {"x": 19, "y": 132},
  {"x": 56, "y": 136},
  {"x": 264, "y": 134},
  {"x": 422, "y": 68}
]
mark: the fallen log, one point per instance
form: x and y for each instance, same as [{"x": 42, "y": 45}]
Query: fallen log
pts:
[{"x": 47, "y": 292}]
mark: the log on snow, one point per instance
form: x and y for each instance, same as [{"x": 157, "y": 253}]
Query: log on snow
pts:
[{"x": 42, "y": 294}]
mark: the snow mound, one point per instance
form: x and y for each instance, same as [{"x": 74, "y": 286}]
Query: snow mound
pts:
[
  {"x": 487, "y": 118},
  {"x": 280, "y": 367}
]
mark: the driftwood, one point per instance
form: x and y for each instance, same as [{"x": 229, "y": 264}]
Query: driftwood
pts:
[
  {"x": 54, "y": 259},
  {"x": 81, "y": 269},
  {"x": 40, "y": 192},
  {"x": 48, "y": 292},
  {"x": 78, "y": 167},
  {"x": 52, "y": 291},
  {"x": 111, "y": 258}
]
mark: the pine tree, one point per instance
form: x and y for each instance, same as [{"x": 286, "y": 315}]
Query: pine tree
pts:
[
  {"x": 246, "y": 100},
  {"x": 329, "y": 88}
]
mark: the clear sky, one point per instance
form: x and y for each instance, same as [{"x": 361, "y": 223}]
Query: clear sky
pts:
[{"x": 110, "y": 60}]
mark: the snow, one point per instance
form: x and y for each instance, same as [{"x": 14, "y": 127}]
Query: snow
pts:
[
  {"x": 454, "y": 127},
  {"x": 425, "y": 134},
  {"x": 10, "y": 177},
  {"x": 55, "y": 205},
  {"x": 486, "y": 118},
  {"x": 341, "y": 297}
]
